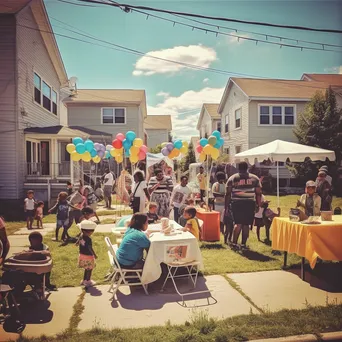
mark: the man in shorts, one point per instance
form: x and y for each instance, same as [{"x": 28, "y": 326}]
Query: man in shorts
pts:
[
  {"x": 108, "y": 183},
  {"x": 243, "y": 193}
]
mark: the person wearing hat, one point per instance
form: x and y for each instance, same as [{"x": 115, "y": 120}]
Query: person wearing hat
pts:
[
  {"x": 325, "y": 169},
  {"x": 87, "y": 255},
  {"x": 323, "y": 188},
  {"x": 310, "y": 201}
]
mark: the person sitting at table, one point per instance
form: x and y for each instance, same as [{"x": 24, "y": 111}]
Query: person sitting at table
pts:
[
  {"x": 152, "y": 213},
  {"x": 192, "y": 224},
  {"x": 130, "y": 252},
  {"x": 190, "y": 203},
  {"x": 310, "y": 201}
]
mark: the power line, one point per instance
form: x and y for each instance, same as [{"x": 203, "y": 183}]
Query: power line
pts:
[
  {"x": 76, "y": 4},
  {"x": 128, "y": 7}
]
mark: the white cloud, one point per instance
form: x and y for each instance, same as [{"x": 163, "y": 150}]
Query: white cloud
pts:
[
  {"x": 185, "y": 109},
  {"x": 163, "y": 94},
  {"x": 193, "y": 54},
  {"x": 334, "y": 70},
  {"x": 206, "y": 80}
]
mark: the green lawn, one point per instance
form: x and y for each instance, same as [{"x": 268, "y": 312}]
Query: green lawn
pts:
[{"x": 201, "y": 328}]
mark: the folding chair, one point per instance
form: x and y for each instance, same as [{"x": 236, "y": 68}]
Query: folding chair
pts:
[
  {"x": 121, "y": 276},
  {"x": 192, "y": 273}
]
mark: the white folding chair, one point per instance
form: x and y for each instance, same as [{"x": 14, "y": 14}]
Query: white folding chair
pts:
[
  {"x": 121, "y": 276},
  {"x": 192, "y": 273}
]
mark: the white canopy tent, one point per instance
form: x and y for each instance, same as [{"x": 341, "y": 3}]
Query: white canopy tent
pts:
[{"x": 280, "y": 151}]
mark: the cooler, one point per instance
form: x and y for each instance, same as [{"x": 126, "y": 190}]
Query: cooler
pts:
[{"x": 211, "y": 224}]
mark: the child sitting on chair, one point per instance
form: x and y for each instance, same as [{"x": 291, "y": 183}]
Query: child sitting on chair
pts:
[
  {"x": 152, "y": 213},
  {"x": 192, "y": 224},
  {"x": 310, "y": 201},
  {"x": 189, "y": 203}
]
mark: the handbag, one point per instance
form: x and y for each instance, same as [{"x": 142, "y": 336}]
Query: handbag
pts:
[{"x": 135, "y": 201}]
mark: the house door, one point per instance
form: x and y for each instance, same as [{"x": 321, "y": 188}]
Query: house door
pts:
[
  {"x": 45, "y": 157},
  {"x": 33, "y": 157}
]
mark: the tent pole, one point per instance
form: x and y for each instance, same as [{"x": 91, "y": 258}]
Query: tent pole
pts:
[{"x": 278, "y": 200}]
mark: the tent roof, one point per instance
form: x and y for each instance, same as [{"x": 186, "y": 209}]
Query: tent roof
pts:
[{"x": 280, "y": 151}]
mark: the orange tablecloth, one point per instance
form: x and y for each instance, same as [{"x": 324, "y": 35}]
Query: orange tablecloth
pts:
[{"x": 322, "y": 241}]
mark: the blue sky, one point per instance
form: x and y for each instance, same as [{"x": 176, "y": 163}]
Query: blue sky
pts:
[{"x": 173, "y": 89}]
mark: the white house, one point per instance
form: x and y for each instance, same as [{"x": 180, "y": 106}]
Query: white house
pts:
[{"x": 209, "y": 119}]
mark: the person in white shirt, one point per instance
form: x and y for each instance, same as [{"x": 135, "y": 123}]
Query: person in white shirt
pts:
[
  {"x": 108, "y": 188},
  {"x": 29, "y": 208},
  {"x": 219, "y": 192},
  {"x": 139, "y": 193},
  {"x": 180, "y": 195}
]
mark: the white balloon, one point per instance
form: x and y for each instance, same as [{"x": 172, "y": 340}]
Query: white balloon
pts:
[{"x": 109, "y": 147}]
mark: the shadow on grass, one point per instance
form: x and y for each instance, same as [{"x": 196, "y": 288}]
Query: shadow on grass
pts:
[
  {"x": 213, "y": 246},
  {"x": 256, "y": 256}
]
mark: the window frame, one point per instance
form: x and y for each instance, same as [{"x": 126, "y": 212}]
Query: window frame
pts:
[
  {"x": 226, "y": 123},
  {"x": 235, "y": 119},
  {"x": 236, "y": 147},
  {"x": 218, "y": 126},
  {"x": 52, "y": 89},
  {"x": 113, "y": 123},
  {"x": 34, "y": 89},
  {"x": 270, "y": 114}
]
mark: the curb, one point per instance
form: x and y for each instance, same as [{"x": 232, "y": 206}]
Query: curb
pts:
[{"x": 332, "y": 336}]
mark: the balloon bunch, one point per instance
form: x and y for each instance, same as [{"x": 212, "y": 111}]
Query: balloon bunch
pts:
[
  {"x": 173, "y": 150},
  {"x": 210, "y": 147},
  {"x": 85, "y": 150},
  {"x": 128, "y": 145}
]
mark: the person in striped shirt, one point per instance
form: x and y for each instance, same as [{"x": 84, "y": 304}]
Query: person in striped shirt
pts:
[{"x": 243, "y": 194}]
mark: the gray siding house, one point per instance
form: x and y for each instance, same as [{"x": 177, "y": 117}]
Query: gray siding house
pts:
[
  {"x": 158, "y": 129},
  {"x": 209, "y": 120}
]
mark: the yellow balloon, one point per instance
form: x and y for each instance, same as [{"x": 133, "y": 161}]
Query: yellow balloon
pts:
[
  {"x": 112, "y": 152},
  {"x": 185, "y": 144},
  {"x": 75, "y": 156},
  {"x": 86, "y": 157},
  {"x": 133, "y": 158},
  {"x": 119, "y": 158},
  {"x": 71, "y": 148},
  {"x": 184, "y": 150},
  {"x": 215, "y": 153},
  {"x": 202, "y": 157},
  {"x": 138, "y": 142},
  {"x": 134, "y": 151},
  {"x": 96, "y": 159},
  {"x": 207, "y": 149}
]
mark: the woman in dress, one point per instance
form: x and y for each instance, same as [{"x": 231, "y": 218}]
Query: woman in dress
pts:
[
  {"x": 160, "y": 188},
  {"x": 139, "y": 193}
]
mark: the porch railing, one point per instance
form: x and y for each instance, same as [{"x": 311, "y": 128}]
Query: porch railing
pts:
[{"x": 52, "y": 170}]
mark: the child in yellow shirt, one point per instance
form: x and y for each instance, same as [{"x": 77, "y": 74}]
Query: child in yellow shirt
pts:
[{"x": 192, "y": 224}]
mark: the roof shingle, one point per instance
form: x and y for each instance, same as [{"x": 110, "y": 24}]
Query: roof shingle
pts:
[{"x": 212, "y": 109}]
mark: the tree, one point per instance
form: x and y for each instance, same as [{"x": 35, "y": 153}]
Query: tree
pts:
[
  {"x": 319, "y": 125},
  {"x": 189, "y": 158},
  {"x": 156, "y": 149}
]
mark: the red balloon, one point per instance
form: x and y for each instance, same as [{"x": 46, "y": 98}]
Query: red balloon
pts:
[
  {"x": 117, "y": 143},
  {"x": 144, "y": 148},
  {"x": 142, "y": 155},
  {"x": 199, "y": 149}
]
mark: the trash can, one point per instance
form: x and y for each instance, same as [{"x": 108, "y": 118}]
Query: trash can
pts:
[{"x": 211, "y": 224}]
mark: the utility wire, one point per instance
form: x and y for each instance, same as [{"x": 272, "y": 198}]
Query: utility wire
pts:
[
  {"x": 128, "y": 7},
  {"x": 76, "y": 4}
]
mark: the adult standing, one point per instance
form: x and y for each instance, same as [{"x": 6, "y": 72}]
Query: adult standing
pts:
[
  {"x": 243, "y": 193},
  {"x": 139, "y": 193},
  {"x": 325, "y": 169},
  {"x": 323, "y": 189},
  {"x": 202, "y": 180},
  {"x": 180, "y": 195},
  {"x": 219, "y": 191},
  {"x": 108, "y": 183},
  {"x": 160, "y": 187}
]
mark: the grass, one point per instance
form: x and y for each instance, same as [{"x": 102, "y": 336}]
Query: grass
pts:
[{"x": 202, "y": 328}]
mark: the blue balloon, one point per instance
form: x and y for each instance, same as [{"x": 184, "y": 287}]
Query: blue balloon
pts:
[
  {"x": 127, "y": 153},
  {"x": 216, "y": 134},
  {"x": 221, "y": 142},
  {"x": 80, "y": 148},
  {"x": 77, "y": 140},
  {"x": 203, "y": 142},
  {"x": 107, "y": 155},
  {"x": 93, "y": 153},
  {"x": 217, "y": 145},
  {"x": 126, "y": 144},
  {"x": 89, "y": 145},
  {"x": 130, "y": 135},
  {"x": 178, "y": 144}
]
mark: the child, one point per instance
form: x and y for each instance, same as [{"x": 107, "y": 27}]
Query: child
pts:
[
  {"x": 192, "y": 224},
  {"x": 87, "y": 255},
  {"x": 39, "y": 214},
  {"x": 202, "y": 180},
  {"x": 87, "y": 214},
  {"x": 268, "y": 217},
  {"x": 152, "y": 213},
  {"x": 62, "y": 208},
  {"x": 189, "y": 203},
  {"x": 219, "y": 191},
  {"x": 4, "y": 241},
  {"x": 29, "y": 204},
  {"x": 70, "y": 189},
  {"x": 91, "y": 199},
  {"x": 36, "y": 244},
  {"x": 310, "y": 201}
]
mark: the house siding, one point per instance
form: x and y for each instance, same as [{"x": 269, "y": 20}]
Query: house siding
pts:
[
  {"x": 259, "y": 135},
  {"x": 90, "y": 117},
  {"x": 8, "y": 109},
  {"x": 156, "y": 137},
  {"x": 235, "y": 137},
  {"x": 207, "y": 124}
]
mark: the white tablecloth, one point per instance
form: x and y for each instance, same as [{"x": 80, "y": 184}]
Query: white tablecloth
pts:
[
  {"x": 182, "y": 246},
  {"x": 155, "y": 227}
]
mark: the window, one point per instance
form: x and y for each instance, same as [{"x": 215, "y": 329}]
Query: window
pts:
[
  {"x": 37, "y": 89},
  {"x": 277, "y": 115},
  {"x": 226, "y": 151},
  {"x": 218, "y": 126},
  {"x": 237, "y": 149},
  {"x": 54, "y": 102},
  {"x": 113, "y": 115},
  {"x": 226, "y": 122},
  {"x": 46, "y": 96},
  {"x": 238, "y": 118}
]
